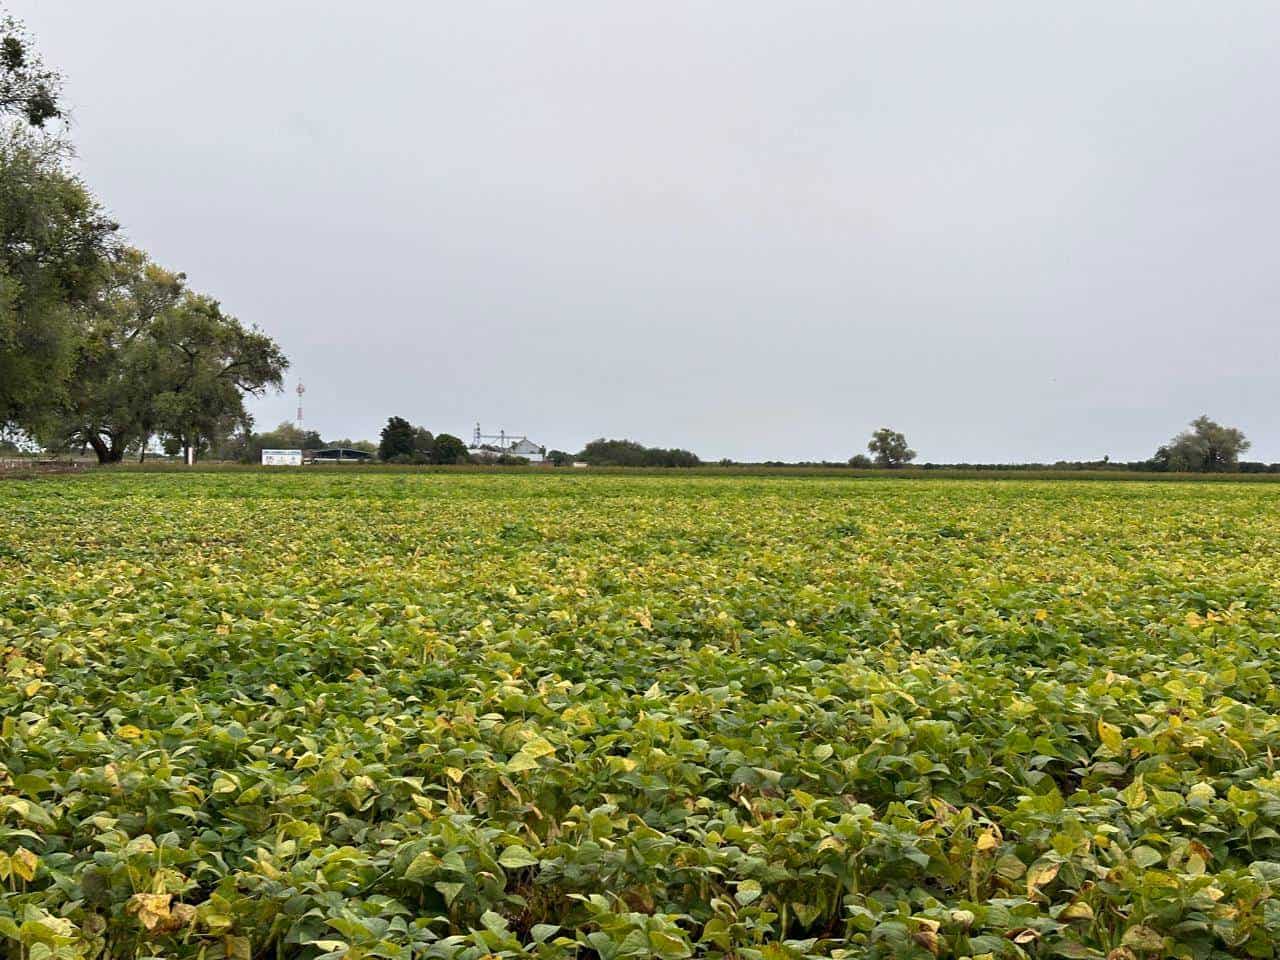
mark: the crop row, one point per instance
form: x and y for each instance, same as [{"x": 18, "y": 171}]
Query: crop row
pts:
[{"x": 413, "y": 716}]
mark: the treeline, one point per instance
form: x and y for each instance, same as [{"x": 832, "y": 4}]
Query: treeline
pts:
[
  {"x": 402, "y": 442},
  {"x": 1116, "y": 466},
  {"x": 628, "y": 453},
  {"x": 1204, "y": 447},
  {"x": 100, "y": 347},
  {"x": 247, "y": 446}
]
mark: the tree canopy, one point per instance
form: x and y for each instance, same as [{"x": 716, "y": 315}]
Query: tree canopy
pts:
[
  {"x": 402, "y": 442},
  {"x": 28, "y": 89},
  {"x": 889, "y": 447},
  {"x": 54, "y": 249},
  {"x": 1207, "y": 447},
  {"x": 110, "y": 403},
  {"x": 628, "y": 453},
  {"x": 99, "y": 346},
  {"x": 154, "y": 357},
  {"x": 448, "y": 449},
  {"x": 397, "y": 439}
]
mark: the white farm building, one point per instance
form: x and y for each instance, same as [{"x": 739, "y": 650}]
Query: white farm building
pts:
[{"x": 491, "y": 446}]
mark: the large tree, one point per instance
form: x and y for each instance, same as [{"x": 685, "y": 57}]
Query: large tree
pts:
[
  {"x": 53, "y": 236},
  {"x": 118, "y": 371},
  {"x": 448, "y": 449},
  {"x": 1208, "y": 447},
  {"x": 54, "y": 245},
  {"x": 205, "y": 362},
  {"x": 889, "y": 447},
  {"x": 156, "y": 358},
  {"x": 397, "y": 440}
]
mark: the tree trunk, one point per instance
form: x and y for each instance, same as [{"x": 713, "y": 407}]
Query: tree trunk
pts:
[{"x": 100, "y": 448}]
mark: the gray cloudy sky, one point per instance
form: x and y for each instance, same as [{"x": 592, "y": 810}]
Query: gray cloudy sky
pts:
[{"x": 1016, "y": 231}]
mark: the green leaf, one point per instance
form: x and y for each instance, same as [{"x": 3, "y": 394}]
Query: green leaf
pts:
[
  {"x": 1146, "y": 856},
  {"x": 423, "y": 865},
  {"x": 516, "y": 856},
  {"x": 449, "y": 891}
]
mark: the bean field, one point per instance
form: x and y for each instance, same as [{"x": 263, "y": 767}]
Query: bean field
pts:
[{"x": 364, "y": 714}]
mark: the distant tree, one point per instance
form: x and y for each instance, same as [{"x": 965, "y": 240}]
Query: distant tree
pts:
[
  {"x": 346, "y": 443},
  {"x": 28, "y": 89},
  {"x": 448, "y": 449},
  {"x": 423, "y": 444},
  {"x": 613, "y": 453},
  {"x": 628, "y": 453},
  {"x": 1207, "y": 447},
  {"x": 247, "y": 446},
  {"x": 890, "y": 448},
  {"x": 559, "y": 458},
  {"x": 234, "y": 447},
  {"x": 860, "y": 460},
  {"x": 397, "y": 439},
  {"x": 677, "y": 457}
]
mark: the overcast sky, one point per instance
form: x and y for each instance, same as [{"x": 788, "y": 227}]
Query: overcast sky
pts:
[{"x": 1015, "y": 231}]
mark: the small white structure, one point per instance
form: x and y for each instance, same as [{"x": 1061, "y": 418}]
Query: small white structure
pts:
[{"x": 282, "y": 458}]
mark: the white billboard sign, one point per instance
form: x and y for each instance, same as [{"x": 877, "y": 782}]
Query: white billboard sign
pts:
[{"x": 282, "y": 458}]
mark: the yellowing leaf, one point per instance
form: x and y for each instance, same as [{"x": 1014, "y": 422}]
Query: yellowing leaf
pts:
[
  {"x": 1110, "y": 736},
  {"x": 151, "y": 909},
  {"x": 1039, "y": 875},
  {"x": 1077, "y": 911},
  {"x": 521, "y": 761},
  {"x": 24, "y": 863},
  {"x": 538, "y": 747},
  {"x": 1142, "y": 937}
]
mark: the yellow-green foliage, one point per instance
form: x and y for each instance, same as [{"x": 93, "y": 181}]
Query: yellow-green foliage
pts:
[{"x": 391, "y": 715}]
